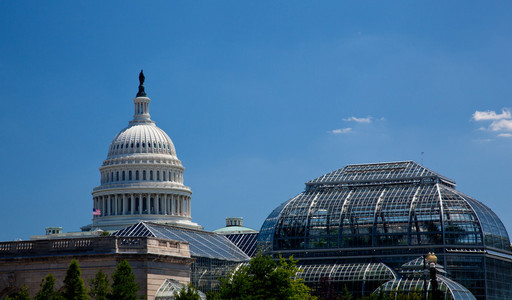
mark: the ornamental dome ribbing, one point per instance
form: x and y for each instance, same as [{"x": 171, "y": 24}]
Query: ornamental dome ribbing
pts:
[
  {"x": 142, "y": 177},
  {"x": 141, "y": 139}
]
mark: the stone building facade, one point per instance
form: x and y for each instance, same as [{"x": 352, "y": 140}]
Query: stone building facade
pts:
[{"x": 153, "y": 261}]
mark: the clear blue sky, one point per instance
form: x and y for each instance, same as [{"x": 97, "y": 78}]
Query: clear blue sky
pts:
[{"x": 258, "y": 97}]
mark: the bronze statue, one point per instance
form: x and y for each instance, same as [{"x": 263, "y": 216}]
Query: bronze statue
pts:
[
  {"x": 141, "y": 77},
  {"x": 141, "y": 92}
]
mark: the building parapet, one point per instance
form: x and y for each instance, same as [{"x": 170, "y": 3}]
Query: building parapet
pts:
[{"x": 95, "y": 245}]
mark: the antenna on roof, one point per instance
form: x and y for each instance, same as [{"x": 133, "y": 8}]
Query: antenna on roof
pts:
[{"x": 422, "y": 157}]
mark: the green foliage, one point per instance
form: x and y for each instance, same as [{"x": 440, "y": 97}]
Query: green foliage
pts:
[
  {"x": 104, "y": 233},
  {"x": 47, "y": 290},
  {"x": 74, "y": 288},
  {"x": 22, "y": 294},
  {"x": 99, "y": 287},
  {"x": 124, "y": 286},
  {"x": 345, "y": 294},
  {"x": 264, "y": 278},
  {"x": 187, "y": 293}
]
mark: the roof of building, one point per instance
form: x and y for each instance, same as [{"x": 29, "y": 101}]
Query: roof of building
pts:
[
  {"x": 201, "y": 243},
  {"x": 381, "y": 173},
  {"x": 235, "y": 230}
]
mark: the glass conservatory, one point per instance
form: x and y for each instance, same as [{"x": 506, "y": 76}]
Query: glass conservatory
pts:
[
  {"x": 215, "y": 255},
  {"x": 393, "y": 212}
]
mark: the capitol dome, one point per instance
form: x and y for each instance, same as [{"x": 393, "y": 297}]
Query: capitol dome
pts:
[{"x": 142, "y": 177}]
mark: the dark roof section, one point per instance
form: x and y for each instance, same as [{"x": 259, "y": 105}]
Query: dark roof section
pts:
[
  {"x": 378, "y": 174},
  {"x": 245, "y": 241},
  {"x": 201, "y": 243}
]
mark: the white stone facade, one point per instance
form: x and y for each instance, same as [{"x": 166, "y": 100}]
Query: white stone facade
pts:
[{"x": 142, "y": 178}]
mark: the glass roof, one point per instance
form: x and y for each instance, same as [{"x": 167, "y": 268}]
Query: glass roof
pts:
[
  {"x": 399, "y": 214},
  {"x": 201, "y": 243},
  {"x": 170, "y": 288},
  {"x": 379, "y": 172},
  {"x": 245, "y": 241},
  {"x": 346, "y": 272},
  {"x": 450, "y": 288}
]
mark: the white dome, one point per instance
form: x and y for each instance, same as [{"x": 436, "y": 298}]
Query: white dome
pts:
[
  {"x": 142, "y": 177},
  {"x": 141, "y": 138}
]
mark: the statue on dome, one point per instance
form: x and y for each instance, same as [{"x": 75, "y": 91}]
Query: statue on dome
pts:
[{"x": 141, "y": 92}]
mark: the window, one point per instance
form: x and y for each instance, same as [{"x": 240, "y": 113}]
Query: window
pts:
[
  {"x": 124, "y": 176},
  {"x": 150, "y": 175},
  {"x": 143, "y": 144},
  {"x": 117, "y": 176},
  {"x": 144, "y": 175},
  {"x": 158, "y": 175},
  {"x": 132, "y": 145},
  {"x": 122, "y": 146},
  {"x": 137, "y": 175},
  {"x": 163, "y": 175},
  {"x": 129, "y": 175},
  {"x": 137, "y": 145}
]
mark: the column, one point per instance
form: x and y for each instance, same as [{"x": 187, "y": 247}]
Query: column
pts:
[
  {"x": 164, "y": 204},
  {"x": 132, "y": 200},
  {"x": 157, "y": 203},
  {"x": 140, "y": 203},
  {"x": 116, "y": 207},
  {"x": 108, "y": 205},
  {"x": 125, "y": 206}
]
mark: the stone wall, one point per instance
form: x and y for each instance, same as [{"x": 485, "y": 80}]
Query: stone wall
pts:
[{"x": 153, "y": 260}]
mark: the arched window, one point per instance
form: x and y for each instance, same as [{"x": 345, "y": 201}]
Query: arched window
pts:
[
  {"x": 132, "y": 145},
  {"x": 150, "y": 175},
  {"x": 117, "y": 176},
  {"x": 143, "y": 144},
  {"x": 137, "y": 175},
  {"x": 122, "y": 146},
  {"x": 144, "y": 175},
  {"x": 137, "y": 145},
  {"x": 130, "y": 175},
  {"x": 111, "y": 176},
  {"x": 124, "y": 176}
]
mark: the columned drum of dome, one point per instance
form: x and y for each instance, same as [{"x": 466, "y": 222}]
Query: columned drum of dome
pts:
[
  {"x": 394, "y": 212},
  {"x": 142, "y": 177}
]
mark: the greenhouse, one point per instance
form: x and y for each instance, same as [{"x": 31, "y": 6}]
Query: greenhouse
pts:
[
  {"x": 215, "y": 255},
  {"x": 393, "y": 212}
]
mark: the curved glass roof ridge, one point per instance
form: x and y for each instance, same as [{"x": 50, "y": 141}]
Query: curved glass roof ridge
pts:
[{"x": 381, "y": 173}]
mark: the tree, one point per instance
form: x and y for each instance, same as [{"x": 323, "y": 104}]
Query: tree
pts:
[
  {"x": 187, "y": 293},
  {"x": 264, "y": 278},
  {"x": 99, "y": 287},
  {"x": 47, "y": 290},
  {"x": 124, "y": 286},
  {"x": 74, "y": 288},
  {"x": 22, "y": 294}
]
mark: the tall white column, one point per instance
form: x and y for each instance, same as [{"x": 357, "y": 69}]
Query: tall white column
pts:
[
  {"x": 140, "y": 204},
  {"x": 157, "y": 203},
  {"x": 116, "y": 207},
  {"x": 132, "y": 200},
  {"x": 108, "y": 205},
  {"x": 125, "y": 206}
]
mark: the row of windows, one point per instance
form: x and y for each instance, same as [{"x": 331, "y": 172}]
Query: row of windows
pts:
[
  {"x": 161, "y": 147},
  {"x": 130, "y": 175}
]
